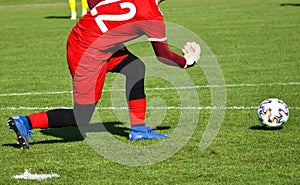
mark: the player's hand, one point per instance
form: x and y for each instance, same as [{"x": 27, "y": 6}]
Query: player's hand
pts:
[{"x": 191, "y": 52}]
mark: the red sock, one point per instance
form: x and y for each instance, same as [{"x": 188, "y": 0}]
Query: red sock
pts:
[
  {"x": 38, "y": 120},
  {"x": 137, "y": 111}
]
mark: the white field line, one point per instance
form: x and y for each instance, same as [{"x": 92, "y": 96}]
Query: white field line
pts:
[
  {"x": 35, "y": 93},
  {"x": 28, "y": 175},
  {"x": 149, "y": 108},
  {"x": 158, "y": 88},
  {"x": 151, "y": 89}
]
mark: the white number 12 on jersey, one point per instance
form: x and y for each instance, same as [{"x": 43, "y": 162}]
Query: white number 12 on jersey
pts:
[{"x": 106, "y": 17}]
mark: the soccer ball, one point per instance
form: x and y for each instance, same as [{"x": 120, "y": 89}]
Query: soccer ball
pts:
[{"x": 273, "y": 113}]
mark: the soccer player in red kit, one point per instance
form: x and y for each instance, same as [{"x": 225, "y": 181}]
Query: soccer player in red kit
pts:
[{"x": 95, "y": 47}]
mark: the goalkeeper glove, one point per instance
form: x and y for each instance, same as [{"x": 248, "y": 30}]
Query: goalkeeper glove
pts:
[{"x": 191, "y": 52}]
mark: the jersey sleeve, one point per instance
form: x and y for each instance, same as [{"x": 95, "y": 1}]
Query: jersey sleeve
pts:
[
  {"x": 153, "y": 24},
  {"x": 155, "y": 30}
]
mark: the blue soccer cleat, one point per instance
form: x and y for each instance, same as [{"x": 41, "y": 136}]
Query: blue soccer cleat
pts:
[
  {"x": 143, "y": 132},
  {"x": 21, "y": 127}
]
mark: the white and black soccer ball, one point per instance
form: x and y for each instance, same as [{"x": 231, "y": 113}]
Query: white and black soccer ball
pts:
[{"x": 273, "y": 113}]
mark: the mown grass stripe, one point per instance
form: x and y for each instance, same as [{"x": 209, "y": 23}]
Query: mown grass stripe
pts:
[
  {"x": 157, "y": 89},
  {"x": 149, "y": 108}
]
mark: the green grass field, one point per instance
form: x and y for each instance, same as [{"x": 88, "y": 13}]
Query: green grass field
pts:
[{"x": 256, "y": 44}]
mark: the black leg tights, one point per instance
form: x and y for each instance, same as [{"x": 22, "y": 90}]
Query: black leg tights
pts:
[
  {"x": 134, "y": 70},
  {"x": 80, "y": 115}
]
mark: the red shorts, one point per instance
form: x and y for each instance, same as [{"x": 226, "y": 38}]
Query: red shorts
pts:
[{"x": 89, "y": 75}]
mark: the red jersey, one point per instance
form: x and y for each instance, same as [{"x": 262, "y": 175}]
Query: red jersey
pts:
[{"x": 113, "y": 22}]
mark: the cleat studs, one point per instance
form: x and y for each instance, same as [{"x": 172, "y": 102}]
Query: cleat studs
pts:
[{"x": 11, "y": 123}]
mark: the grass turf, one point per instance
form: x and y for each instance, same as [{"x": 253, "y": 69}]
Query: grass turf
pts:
[{"x": 255, "y": 43}]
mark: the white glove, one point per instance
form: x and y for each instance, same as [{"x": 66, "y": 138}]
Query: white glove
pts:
[{"x": 191, "y": 53}]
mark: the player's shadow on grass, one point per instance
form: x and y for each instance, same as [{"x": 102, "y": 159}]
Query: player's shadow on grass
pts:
[
  {"x": 69, "y": 134},
  {"x": 79, "y": 133},
  {"x": 261, "y": 127},
  {"x": 290, "y": 4},
  {"x": 57, "y": 17},
  {"x": 73, "y": 134}
]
